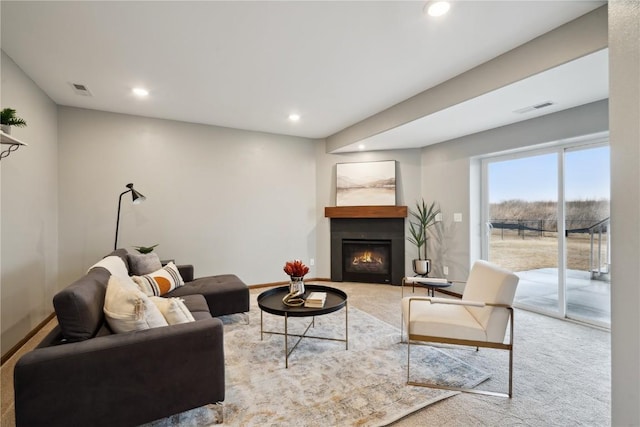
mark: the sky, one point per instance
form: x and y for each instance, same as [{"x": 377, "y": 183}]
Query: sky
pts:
[{"x": 587, "y": 176}]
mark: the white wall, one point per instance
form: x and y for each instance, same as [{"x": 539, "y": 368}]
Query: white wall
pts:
[
  {"x": 450, "y": 175},
  {"x": 407, "y": 192},
  {"x": 29, "y": 217},
  {"x": 624, "y": 66},
  {"x": 225, "y": 200}
]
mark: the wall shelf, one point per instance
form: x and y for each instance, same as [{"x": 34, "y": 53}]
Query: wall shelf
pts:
[
  {"x": 365, "y": 211},
  {"x": 11, "y": 143}
]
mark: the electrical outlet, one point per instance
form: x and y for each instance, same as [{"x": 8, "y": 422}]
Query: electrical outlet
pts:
[
  {"x": 457, "y": 217},
  {"x": 439, "y": 217},
  {"x": 312, "y": 261},
  {"x": 445, "y": 270}
]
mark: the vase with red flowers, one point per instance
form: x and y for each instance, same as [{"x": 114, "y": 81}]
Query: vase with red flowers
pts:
[{"x": 296, "y": 271}]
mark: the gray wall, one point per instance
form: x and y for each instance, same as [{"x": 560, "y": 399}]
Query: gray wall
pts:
[
  {"x": 29, "y": 232},
  {"x": 225, "y": 200},
  {"x": 624, "y": 66}
]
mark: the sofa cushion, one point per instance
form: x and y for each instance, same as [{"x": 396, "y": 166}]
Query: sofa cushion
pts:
[
  {"x": 225, "y": 293},
  {"x": 79, "y": 306},
  {"x": 140, "y": 264},
  {"x": 127, "y": 308},
  {"x": 160, "y": 281},
  {"x": 197, "y": 305},
  {"x": 173, "y": 309}
]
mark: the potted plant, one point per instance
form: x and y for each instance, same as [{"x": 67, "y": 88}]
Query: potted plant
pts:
[
  {"x": 8, "y": 118},
  {"x": 423, "y": 217},
  {"x": 145, "y": 249}
]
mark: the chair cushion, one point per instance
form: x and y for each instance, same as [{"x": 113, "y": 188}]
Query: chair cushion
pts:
[
  {"x": 441, "y": 320},
  {"x": 491, "y": 284}
]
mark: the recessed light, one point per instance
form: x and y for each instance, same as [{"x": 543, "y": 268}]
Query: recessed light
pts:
[
  {"x": 138, "y": 91},
  {"x": 294, "y": 117},
  {"x": 437, "y": 8},
  {"x": 361, "y": 147}
]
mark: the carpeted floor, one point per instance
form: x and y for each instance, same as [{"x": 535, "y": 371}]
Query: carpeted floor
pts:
[
  {"x": 561, "y": 372},
  {"x": 326, "y": 384}
]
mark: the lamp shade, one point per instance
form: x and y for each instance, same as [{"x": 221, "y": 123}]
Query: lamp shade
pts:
[{"x": 136, "y": 196}]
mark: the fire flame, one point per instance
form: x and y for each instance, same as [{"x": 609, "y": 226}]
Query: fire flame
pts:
[{"x": 366, "y": 258}]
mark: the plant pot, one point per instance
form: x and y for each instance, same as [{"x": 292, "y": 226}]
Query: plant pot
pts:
[
  {"x": 6, "y": 129},
  {"x": 421, "y": 266}
]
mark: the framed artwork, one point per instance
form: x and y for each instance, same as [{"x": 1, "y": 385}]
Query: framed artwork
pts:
[{"x": 366, "y": 183}]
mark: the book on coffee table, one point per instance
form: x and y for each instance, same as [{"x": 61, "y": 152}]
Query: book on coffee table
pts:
[{"x": 316, "y": 300}]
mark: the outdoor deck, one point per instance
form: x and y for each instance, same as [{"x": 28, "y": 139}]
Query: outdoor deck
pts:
[{"x": 587, "y": 299}]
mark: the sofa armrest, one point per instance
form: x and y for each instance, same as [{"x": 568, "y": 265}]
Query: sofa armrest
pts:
[
  {"x": 122, "y": 379},
  {"x": 186, "y": 271}
]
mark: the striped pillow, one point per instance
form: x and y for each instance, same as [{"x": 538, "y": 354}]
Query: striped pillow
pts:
[{"x": 161, "y": 281}]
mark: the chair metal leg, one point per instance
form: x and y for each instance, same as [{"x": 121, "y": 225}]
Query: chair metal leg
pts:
[{"x": 466, "y": 390}]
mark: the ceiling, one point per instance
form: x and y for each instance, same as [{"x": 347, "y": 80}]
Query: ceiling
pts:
[{"x": 248, "y": 65}]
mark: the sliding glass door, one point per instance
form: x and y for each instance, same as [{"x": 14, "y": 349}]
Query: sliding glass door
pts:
[
  {"x": 523, "y": 224},
  {"x": 547, "y": 219},
  {"x": 587, "y": 222}
]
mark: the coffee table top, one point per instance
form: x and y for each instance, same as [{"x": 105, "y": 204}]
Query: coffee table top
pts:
[{"x": 271, "y": 301}]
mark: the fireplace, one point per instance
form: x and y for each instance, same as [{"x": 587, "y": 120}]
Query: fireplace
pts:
[
  {"x": 366, "y": 261},
  {"x": 368, "y": 250}
]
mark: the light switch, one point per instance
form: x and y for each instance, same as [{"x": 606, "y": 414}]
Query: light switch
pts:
[
  {"x": 457, "y": 217},
  {"x": 439, "y": 217}
]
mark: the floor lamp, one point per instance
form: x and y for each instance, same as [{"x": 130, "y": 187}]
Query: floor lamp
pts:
[{"x": 136, "y": 198}]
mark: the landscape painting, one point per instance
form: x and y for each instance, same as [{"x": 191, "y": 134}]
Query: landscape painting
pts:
[{"x": 366, "y": 183}]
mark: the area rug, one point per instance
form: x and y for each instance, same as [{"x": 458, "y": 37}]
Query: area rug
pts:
[{"x": 326, "y": 384}]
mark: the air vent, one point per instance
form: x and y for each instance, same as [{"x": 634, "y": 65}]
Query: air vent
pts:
[
  {"x": 534, "y": 107},
  {"x": 81, "y": 89}
]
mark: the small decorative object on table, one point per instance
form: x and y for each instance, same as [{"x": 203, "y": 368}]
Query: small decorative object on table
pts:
[
  {"x": 296, "y": 271},
  {"x": 316, "y": 300}
]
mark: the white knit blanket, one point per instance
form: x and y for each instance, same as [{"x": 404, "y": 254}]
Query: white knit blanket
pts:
[{"x": 114, "y": 265}]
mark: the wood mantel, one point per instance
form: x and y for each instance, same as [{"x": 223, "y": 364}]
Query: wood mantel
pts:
[{"x": 365, "y": 211}]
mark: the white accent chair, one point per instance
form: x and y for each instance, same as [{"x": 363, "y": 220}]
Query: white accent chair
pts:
[{"x": 479, "y": 319}]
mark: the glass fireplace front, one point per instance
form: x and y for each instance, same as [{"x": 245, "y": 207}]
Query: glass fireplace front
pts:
[{"x": 366, "y": 261}]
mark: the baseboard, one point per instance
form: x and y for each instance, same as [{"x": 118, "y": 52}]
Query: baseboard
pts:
[
  {"x": 269, "y": 285},
  {"x": 24, "y": 340}
]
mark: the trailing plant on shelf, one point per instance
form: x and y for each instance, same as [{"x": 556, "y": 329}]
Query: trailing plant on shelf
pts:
[
  {"x": 8, "y": 118},
  {"x": 423, "y": 217}
]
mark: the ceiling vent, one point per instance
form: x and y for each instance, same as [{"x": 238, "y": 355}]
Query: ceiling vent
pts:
[
  {"x": 81, "y": 89},
  {"x": 534, "y": 107}
]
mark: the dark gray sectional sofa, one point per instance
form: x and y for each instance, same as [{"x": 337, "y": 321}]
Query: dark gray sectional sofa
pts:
[{"x": 82, "y": 374}]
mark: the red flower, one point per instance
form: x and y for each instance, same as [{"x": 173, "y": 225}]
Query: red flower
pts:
[{"x": 295, "y": 268}]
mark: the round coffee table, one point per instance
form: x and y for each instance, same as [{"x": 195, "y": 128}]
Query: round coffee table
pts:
[{"x": 271, "y": 302}]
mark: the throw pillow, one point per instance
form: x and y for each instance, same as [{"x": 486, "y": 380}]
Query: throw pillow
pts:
[
  {"x": 143, "y": 263},
  {"x": 161, "y": 281},
  {"x": 126, "y": 308},
  {"x": 173, "y": 309}
]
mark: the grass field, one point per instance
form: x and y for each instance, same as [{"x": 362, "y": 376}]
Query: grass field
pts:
[
  {"x": 539, "y": 249},
  {"x": 518, "y": 254}
]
